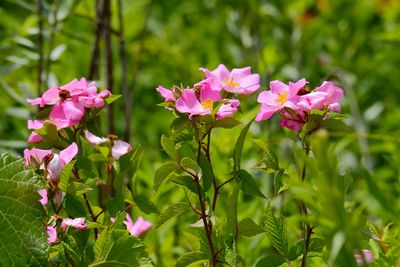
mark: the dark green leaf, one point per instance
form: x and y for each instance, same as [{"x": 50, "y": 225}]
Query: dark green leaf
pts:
[
  {"x": 237, "y": 152},
  {"x": 145, "y": 204},
  {"x": 162, "y": 173},
  {"x": 170, "y": 212},
  {"x": 191, "y": 257},
  {"x": 168, "y": 144},
  {"x": 226, "y": 123},
  {"x": 23, "y": 239},
  {"x": 65, "y": 175},
  {"x": 271, "y": 160},
  {"x": 247, "y": 227},
  {"x": 271, "y": 261},
  {"x": 184, "y": 180},
  {"x": 191, "y": 165},
  {"x": 249, "y": 185},
  {"x": 206, "y": 177}
]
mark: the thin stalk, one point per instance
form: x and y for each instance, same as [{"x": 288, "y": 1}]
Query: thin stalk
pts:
[
  {"x": 94, "y": 63},
  {"x": 308, "y": 231},
  {"x": 52, "y": 38},
  {"x": 109, "y": 61},
  {"x": 122, "y": 56},
  {"x": 40, "y": 45}
]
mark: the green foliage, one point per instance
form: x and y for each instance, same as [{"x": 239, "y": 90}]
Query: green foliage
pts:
[
  {"x": 192, "y": 257},
  {"x": 22, "y": 234},
  {"x": 171, "y": 211},
  {"x": 276, "y": 230}
]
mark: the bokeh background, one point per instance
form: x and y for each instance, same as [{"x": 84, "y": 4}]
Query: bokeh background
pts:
[{"x": 354, "y": 43}]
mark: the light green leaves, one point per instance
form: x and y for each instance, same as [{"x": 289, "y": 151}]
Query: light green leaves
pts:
[
  {"x": 247, "y": 227},
  {"x": 275, "y": 228},
  {"x": 163, "y": 172},
  {"x": 237, "y": 152},
  {"x": 22, "y": 234},
  {"x": 192, "y": 257},
  {"x": 168, "y": 144}
]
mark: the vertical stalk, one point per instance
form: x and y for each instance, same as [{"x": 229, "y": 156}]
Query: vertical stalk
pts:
[
  {"x": 40, "y": 46},
  {"x": 123, "y": 59},
  {"x": 94, "y": 63},
  {"x": 109, "y": 61},
  {"x": 308, "y": 230}
]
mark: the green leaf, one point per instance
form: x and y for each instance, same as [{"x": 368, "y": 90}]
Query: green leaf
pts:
[
  {"x": 191, "y": 257},
  {"x": 145, "y": 204},
  {"x": 48, "y": 132},
  {"x": 271, "y": 261},
  {"x": 74, "y": 206},
  {"x": 226, "y": 123},
  {"x": 162, "y": 173},
  {"x": 191, "y": 165},
  {"x": 247, "y": 227},
  {"x": 71, "y": 249},
  {"x": 271, "y": 160},
  {"x": 206, "y": 177},
  {"x": 65, "y": 175},
  {"x": 79, "y": 188},
  {"x": 168, "y": 144},
  {"x": 231, "y": 256},
  {"x": 249, "y": 185},
  {"x": 232, "y": 208},
  {"x": 23, "y": 239},
  {"x": 276, "y": 231},
  {"x": 184, "y": 180},
  {"x": 112, "y": 98},
  {"x": 118, "y": 248},
  {"x": 279, "y": 184},
  {"x": 237, "y": 152},
  {"x": 170, "y": 212}
]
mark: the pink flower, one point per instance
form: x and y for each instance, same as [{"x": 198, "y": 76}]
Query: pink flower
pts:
[
  {"x": 43, "y": 194},
  {"x": 168, "y": 95},
  {"x": 77, "y": 223},
  {"x": 333, "y": 97},
  {"x": 50, "y": 97},
  {"x": 279, "y": 97},
  {"x": 238, "y": 81},
  {"x": 49, "y": 161},
  {"x": 120, "y": 148},
  {"x": 138, "y": 227},
  {"x": 52, "y": 232},
  {"x": 95, "y": 140},
  {"x": 367, "y": 256},
  {"x": 227, "y": 109},
  {"x": 35, "y": 138},
  {"x": 57, "y": 163}
]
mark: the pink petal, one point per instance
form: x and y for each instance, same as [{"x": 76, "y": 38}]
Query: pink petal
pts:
[
  {"x": 207, "y": 93},
  {"x": 227, "y": 109},
  {"x": 68, "y": 154},
  {"x": 43, "y": 194},
  {"x": 120, "y": 148},
  {"x": 73, "y": 110},
  {"x": 367, "y": 256},
  {"x": 240, "y": 73},
  {"x": 266, "y": 112},
  {"x": 34, "y": 138},
  {"x": 93, "y": 139},
  {"x": 140, "y": 226},
  {"x": 35, "y": 124},
  {"x": 35, "y": 156},
  {"x": 188, "y": 103},
  {"x": 249, "y": 84},
  {"x": 168, "y": 95},
  {"x": 278, "y": 87},
  {"x": 294, "y": 88},
  {"x": 52, "y": 232},
  {"x": 77, "y": 223}
]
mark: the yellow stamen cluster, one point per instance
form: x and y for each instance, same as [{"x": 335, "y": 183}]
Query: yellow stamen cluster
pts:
[
  {"x": 231, "y": 82},
  {"x": 281, "y": 98},
  {"x": 207, "y": 104}
]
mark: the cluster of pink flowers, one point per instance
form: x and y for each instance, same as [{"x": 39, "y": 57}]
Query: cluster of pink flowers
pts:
[
  {"x": 77, "y": 223},
  {"x": 216, "y": 86},
  {"x": 69, "y": 103},
  {"x": 294, "y": 102}
]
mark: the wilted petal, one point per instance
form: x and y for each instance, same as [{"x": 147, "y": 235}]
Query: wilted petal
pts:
[
  {"x": 120, "y": 148},
  {"x": 52, "y": 232},
  {"x": 95, "y": 140},
  {"x": 77, "y": 223},
  {"x": 227, "y": 109},
  {"x": 367, "y": 256},
  {"x": 68, "y": 154},
  {"x": 35, "y": 138},
  {"x": 168, "y": 95},
  {"x": 43, "y": 194}
]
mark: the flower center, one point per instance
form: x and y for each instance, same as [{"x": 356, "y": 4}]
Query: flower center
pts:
[
  {"x": 64, "y": 94},
  {"x": 281, "y": 98},
  {"x": 207, "y": 104},
  {"x": 230, "y": 82}
]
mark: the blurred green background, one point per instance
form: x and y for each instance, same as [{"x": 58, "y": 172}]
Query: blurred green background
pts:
[{"x": 354, "y": 43}]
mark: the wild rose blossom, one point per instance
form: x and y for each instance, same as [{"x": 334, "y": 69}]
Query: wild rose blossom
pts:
[
  {"x": 237, "y": 81},
  {"x": 367, "y": 256},
  {"x": 68, "y": 104},
  {"x": 118, "y": 149},
  {"x": 294, "y": 102},
  {"x": 43, "y": 194},
  {"x": 51, "y": 162},
  {"x": 138, "y": 227},
  {"x": 77, "y": 223},
  {"x": 52, "y": 234}
]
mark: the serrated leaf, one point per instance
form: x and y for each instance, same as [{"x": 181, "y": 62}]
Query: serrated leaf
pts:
[
  {"x": 71, "y": 248},
  {"x": 271, "y": 261},
  {"x": 22, "y": 234},
  {"x": 279, "y": 184},
  {"x": 191, "y": 257},
  {"x": 231, "y": 256},
  {"x": 161, "y": 173},
  {"x": 168, "y": 144},
  {"x": 118, "y": 248},
  {"x": 170, "y": 212},
  {"x": 184, "y": 180},
  {"x": 226, "y": 123},
  {"x": 237, "y": 152},
  {"x": 247, "y": 227},
  {"x": 249, "y": 185},
  {"x": 191, "y": 165},
  {"x": 276, "y": 231},
  {"x": 65, "y": 175}
]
